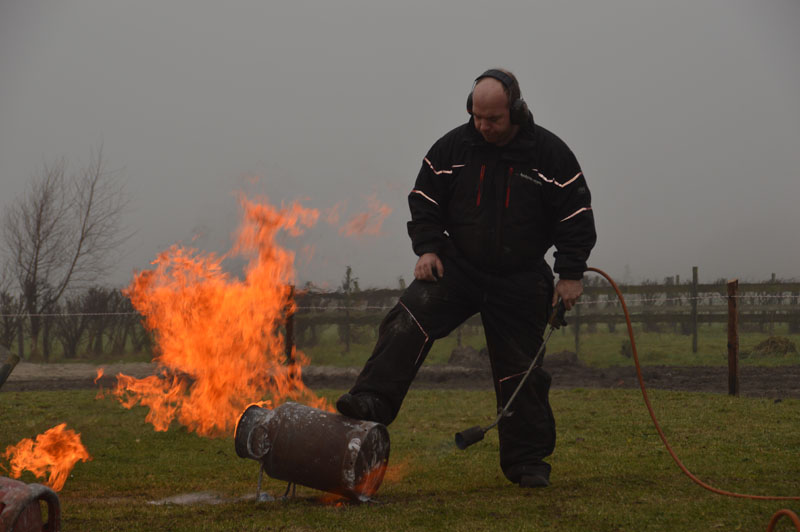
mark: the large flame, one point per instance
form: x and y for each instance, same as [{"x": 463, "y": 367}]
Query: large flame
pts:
[
  {"x": 53, "y": 454},
  {"x": 219, "y": 344}
]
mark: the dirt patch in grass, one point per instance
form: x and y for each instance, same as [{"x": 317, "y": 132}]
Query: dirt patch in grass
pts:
[
  {"x": 774, "y": 382},
  {"x": 772, "y": 346}
]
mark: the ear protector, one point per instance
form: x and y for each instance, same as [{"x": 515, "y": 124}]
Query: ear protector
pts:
[{"x": 518, "y": 109}]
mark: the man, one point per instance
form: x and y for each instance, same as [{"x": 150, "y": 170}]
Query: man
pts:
[{"x": 493, "y": 195}]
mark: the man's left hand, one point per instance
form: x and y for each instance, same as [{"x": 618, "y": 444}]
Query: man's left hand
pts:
[{"x": 569, "y": 290}]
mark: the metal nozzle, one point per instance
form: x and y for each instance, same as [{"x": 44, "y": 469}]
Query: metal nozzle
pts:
[
  {"x": 467, "y": 437},
  {"x": 557, "y": 319}
]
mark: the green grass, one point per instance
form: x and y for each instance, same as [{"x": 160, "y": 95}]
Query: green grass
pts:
[
  {"x": 610, "y": 471},
  {"x": 597, "y": 349}
]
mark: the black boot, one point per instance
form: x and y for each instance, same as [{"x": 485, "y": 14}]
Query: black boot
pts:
[
  {"x": 364, "y": 406},
  {"x": 536, "y": 480}
]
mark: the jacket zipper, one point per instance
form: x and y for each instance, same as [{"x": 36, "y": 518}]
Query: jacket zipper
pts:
[
  {"x": 499, "y": 216},
  {"x": 508, "y": 184},
  {"x": 480, "y": 185}
]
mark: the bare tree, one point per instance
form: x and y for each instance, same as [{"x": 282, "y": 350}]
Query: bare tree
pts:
[
  {"x": 102, "y": 303},
  {"x": 10, "y": 310},
  {"x": 71, "y": 324},
  {"x": 124, "y": 319},
  {"x": 62, "y": 234},
  {"x": 9, "y": 314}
]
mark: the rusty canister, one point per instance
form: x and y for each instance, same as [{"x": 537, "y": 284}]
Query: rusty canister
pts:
[
  {"x": 314, "y": 448},
  {"x": 20, "y": 509}
]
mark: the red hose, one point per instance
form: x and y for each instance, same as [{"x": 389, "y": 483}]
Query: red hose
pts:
[
  {"x": 664, "y": 438},
  {"x": 788, "y": 513}
]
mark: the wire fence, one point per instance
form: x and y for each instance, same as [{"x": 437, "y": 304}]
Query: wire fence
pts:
[
  {"x": 114, "y": 328},
  {"x": 709, "y": 299}
]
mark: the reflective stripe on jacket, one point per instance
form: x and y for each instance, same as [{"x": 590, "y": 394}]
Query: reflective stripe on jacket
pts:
[{"x": 504, "y": 207}]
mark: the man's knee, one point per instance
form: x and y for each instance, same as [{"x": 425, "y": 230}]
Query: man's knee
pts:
[
  {"x": 434, "y": 307},
  {"x": 400, "y": 322},
  {"x": 422, "y": 294}
]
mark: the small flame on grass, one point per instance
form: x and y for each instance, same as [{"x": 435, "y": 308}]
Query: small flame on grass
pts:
[
  {"x": 53, "y": 454},
  {"x": 397, "y": 471},
  {"x": 100, "y": 393},
  {"x": 371, "y": 482}
]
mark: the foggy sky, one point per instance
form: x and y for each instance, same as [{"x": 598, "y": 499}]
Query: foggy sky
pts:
[{"x": 684, "y": 116}]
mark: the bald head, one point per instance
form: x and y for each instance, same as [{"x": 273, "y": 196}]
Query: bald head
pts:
[
  {"x": 490, "y": 91},
  {"x": 490, "y": 110}
]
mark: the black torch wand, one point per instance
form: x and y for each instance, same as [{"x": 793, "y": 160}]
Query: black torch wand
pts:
[{"x": 467, "y": 437}]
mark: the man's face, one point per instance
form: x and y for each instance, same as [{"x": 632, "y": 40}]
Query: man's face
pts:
[{"x": 490, "y": 112}]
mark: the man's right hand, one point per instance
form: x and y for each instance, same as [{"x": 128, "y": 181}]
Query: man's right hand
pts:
[{"x": 429, "y": 268}]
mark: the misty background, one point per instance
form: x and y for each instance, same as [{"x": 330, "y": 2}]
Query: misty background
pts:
[{"x": 684, "y": 116}]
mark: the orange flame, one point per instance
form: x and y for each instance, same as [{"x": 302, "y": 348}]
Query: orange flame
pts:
[
  {"x": 218, "y": 338},
  {"x": 397, "y": 471},
  {"x": 372, "y": 480},
  {"x": 367, "y": 223},
  {"x": 100, "y": 373},
  {"x": 332, "y": 214},
  {"x": 53, "y": 453},
  {"x": 370, "y": 483}
]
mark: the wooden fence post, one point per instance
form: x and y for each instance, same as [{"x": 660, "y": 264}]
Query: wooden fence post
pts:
[
  {"x": 733, "y": 338},
  {"x": 347, "y": 325},
  {"x": 577, "y": 323},
  {"x": 771, "y": 327},
  {"x": 694, "y": 309},
  {"x": 289, "y": 340},
  {"x": 20, "y": 337},
  {"x": 46, "y": 337}
]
